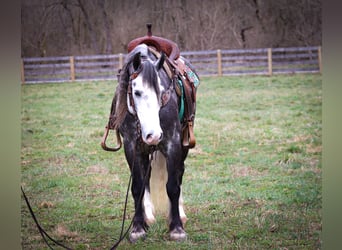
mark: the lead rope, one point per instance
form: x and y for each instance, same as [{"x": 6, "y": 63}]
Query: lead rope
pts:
[
  {"x": 46, "y": 236},
  {"x": 122, "y": 236},
  {"x": 42, "y": 232}
]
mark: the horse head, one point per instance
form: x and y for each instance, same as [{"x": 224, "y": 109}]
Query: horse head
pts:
[{"x": 144, "y": 94}]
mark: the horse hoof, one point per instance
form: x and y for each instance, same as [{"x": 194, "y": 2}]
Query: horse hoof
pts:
[
  {"x": 178, "y": 234},
  {"x": 137, "y": 234}
]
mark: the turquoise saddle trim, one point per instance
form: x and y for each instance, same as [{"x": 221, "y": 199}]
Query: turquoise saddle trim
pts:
[
  {"x": 193, "y": 78},
  {"x": 181, "y": 107}
]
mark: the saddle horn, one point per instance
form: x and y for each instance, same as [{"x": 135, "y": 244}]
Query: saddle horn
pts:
[{"x": 149, "y": 29}]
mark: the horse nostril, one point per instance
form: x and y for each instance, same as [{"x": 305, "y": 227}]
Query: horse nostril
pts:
[
  {"x": 153, "y": 139},
  {"x": 149, "y": 136}
]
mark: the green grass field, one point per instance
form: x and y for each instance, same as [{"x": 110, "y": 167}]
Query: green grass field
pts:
[{"x": 252, "y": 182}]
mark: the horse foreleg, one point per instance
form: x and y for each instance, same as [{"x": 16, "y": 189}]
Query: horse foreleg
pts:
[
  {"x": 139, "y": 227},
  {"x": 174, "y": 192},
  {"x": 140, "y": 193},
  {"x": 182, "y": 214}
]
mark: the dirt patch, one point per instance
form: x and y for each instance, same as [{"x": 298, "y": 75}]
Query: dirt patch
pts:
[
  {"x": 63, "y": 231},
  {"x": 197, "y": 150},
  {"x": 313, "y": 149},
  {"x": 243, "y": 171},
  {"x": 96, "y": 169},
  {"x": 46, "y": 204}
]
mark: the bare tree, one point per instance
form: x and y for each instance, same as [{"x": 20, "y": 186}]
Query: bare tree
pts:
[
  {"x": 89, "y": 25},
  {"x": 106, "y": 26},
  {"x": 64, "y": 27}
]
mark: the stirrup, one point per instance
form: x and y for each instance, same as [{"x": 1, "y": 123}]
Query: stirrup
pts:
[
  {"x": 104, "y": 138},
  {"x": 189, "y": 140}
]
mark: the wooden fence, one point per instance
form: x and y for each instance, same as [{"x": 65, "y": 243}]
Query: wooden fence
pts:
[{"x": 265, "y": 61}]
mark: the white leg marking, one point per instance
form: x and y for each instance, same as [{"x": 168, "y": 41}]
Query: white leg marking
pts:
[
  {"x": 148, "y": 208},
  {"x": 181, "y": 209}
]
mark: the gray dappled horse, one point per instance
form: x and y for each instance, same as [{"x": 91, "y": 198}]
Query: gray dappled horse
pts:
[{"x": 146, "y": 115}]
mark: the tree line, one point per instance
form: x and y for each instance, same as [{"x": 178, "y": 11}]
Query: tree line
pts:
[{"x": 80, "y": 27}]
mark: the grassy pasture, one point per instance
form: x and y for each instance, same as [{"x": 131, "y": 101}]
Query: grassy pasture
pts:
[{"x": 252, "y": 182}]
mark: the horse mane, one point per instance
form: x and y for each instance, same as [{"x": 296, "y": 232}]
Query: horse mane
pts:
[
  {"x": 148, "y": 74},
  {"x": 119, "y": 104}
]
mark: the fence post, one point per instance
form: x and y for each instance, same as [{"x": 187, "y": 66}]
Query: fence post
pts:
[
  {"x": 219, "y": 62},
  {"x": 72, "y": 68},
  {"x": 120, "y": 61},
  {"x": 320, "y": 59},
  {"x": 22, "y": 72},
  {"x": 269, "y": 59}
]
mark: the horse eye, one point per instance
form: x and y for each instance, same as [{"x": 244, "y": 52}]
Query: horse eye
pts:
[{"x": 137, "y": 93}]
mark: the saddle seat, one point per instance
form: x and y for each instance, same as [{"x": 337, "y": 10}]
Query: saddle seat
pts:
[{"x": 169, "y": 47}]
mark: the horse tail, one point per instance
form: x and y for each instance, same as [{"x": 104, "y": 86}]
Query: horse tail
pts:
[{"x": 158, "y": 182}]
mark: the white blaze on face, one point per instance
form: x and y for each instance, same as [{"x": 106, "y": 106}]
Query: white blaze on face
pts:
[{"x": 147, "y": 107}]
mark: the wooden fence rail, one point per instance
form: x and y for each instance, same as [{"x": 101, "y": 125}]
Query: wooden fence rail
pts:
[{"x": 264, "y": 61}]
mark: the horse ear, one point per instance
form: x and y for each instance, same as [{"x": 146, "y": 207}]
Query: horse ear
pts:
[
  {"x": 136, "y": 61},
  {"x": 160, "y": 62}
]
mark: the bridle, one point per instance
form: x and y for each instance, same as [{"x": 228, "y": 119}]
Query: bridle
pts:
[
  {"x": 164, "y": 97},
  {"x": 132, "y": 77}
]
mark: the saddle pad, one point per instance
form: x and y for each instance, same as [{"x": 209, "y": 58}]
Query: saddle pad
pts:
[{"x": 191, "y": 75}]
